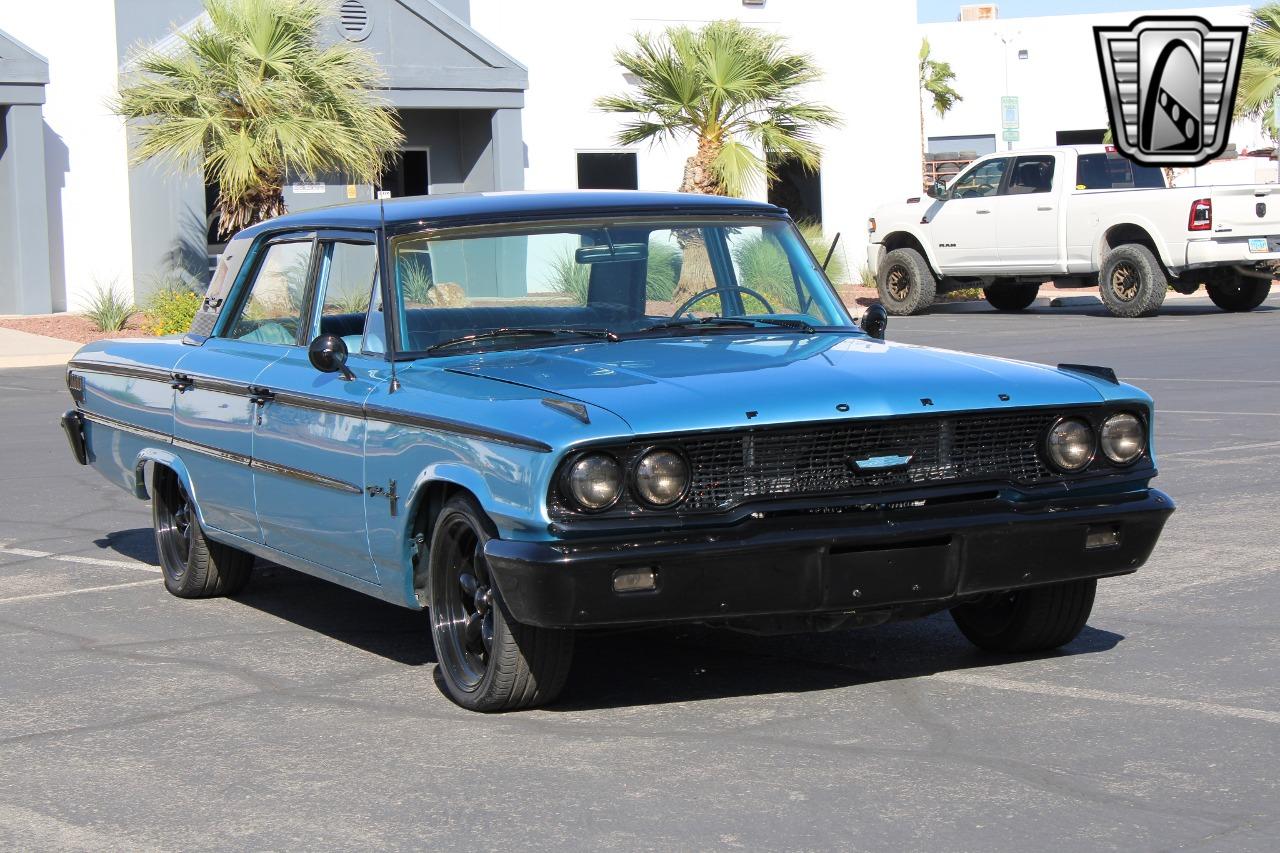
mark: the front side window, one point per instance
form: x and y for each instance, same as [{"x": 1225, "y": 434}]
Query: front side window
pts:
[
  {"x": 271, "y": 312},
  {"x": 1032, "y": 174},
  {"x": 626, "y": 277},
  {"x": 982, "y": 180}
]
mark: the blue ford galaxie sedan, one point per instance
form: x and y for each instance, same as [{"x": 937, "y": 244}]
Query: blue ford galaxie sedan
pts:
[{"x": 534, "y": 414}]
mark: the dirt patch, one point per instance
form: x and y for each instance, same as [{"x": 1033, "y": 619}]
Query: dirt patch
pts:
[{"x": 72, "y": 327}]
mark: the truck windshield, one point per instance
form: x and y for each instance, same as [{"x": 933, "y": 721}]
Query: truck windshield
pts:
[
  {"x": 606, "y": 279},
  {"x": 1115, "y": 172}
]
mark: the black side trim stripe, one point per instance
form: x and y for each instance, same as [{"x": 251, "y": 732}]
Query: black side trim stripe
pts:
[
  {"x": 393, "y": 416},
  {"x": 307, "y": 476},
  {"x": 129, "y": 370}
]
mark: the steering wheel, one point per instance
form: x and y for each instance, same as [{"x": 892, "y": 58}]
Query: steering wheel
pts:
[
  {"x": 698, "y": 297},
  {"x": 977, "y": 191}
]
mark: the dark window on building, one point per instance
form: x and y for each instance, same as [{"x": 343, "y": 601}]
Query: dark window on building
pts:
[
  {"x": 1081, "y": 137},
  {"x": 797, "y": 189},
  {"x": 609, "y": 170}
]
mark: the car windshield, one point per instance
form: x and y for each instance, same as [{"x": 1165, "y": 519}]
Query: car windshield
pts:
[{"x": 519, "y": 286}]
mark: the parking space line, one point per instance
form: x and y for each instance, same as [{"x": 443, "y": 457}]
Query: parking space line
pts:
[
  {"x": 1224, "y": 449},
  {"x": 973, "y": 679},
  {"x": 1188, "y": 379},
  {"x": 65, "y": 592},
  {"x": 72, "y": 558},
  {"x": 1243, "y": 414}
]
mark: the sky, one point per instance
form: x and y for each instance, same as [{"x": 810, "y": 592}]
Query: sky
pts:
[{"x": 930, "y": 11}]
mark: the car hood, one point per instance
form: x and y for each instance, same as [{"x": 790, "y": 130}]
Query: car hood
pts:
[{"x": 723, "y": 380}]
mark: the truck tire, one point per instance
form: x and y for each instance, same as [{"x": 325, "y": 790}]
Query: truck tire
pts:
[
  {"x": 1011, "y": 297},
  {"x": 1027, "y": 620},
  {"x": 487, "y": 660},
  {"x": 1132, "y": 283},
  {"x": 1239, "y": 292},
  {"x": 193, "y": 566},
  {"x": 905, "y": 283}
]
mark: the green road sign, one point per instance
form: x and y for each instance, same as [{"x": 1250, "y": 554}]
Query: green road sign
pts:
[
  {"x": 1010, "y": 135},
  {"x": 1009, "y": 112}
]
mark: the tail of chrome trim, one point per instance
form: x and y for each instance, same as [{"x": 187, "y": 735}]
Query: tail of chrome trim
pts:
[
  {"x": 393, "y": 416},
  {"x": 306, "y": 476}
]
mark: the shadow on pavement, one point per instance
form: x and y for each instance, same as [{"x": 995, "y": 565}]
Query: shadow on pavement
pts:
[{"x": 137, "y": 544}]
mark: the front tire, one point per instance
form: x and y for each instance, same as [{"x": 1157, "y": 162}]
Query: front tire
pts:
[
  {"x": 1132, "y": 283},
  {"x": 905, "y": 282},
  {"x": 1011, "y": 297},
  {"x": 1027, "y": 620},
  {"x": 488, "y": 661},
  {"x": 1239, "y": 292},
  {"x": 193, "y": 566}
]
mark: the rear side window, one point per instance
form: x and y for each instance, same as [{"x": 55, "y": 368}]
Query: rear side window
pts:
[
  {"x": 1114, "y": 172},
  {"x": 1032, "y": 174}
]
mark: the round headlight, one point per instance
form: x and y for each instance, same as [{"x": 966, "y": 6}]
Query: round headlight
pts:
[
  {"x": 1070, "y": 444},
  {"x": 594, "y": 481},
  {"x": 661, "y": 477},
  {"x": 1123, "y": 438}
]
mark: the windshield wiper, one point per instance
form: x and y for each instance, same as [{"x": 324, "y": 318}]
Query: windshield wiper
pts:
[
  {"x": 741, "y": 322},
  {"x": 493, "y": 334}
]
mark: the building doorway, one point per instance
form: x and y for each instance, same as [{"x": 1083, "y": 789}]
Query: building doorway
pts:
[
  {"x": 797, "y": 189},
  {"x": 408, "y": 174}
]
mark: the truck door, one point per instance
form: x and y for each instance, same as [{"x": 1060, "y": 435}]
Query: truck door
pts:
[
  {"x": 962, "y": 226},
  {"x": 1027, "y": 214}
]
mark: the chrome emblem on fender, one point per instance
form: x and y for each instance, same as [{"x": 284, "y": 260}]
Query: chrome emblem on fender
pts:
[{"x": 1170, "y": 83}]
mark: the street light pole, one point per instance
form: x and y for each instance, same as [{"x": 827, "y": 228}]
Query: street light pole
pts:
[{"x": 1004, "y": 40}]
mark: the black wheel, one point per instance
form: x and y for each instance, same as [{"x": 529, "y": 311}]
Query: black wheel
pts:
[
  {"x": 1132, "y": 283},
  {"x": 489, "y": 662},
  {"x": 1239, "y": 292},
  {"x": 193, "y": 566},
  {"x": 1011, "y": 297},
  {"x": 1027, "y": 620},
  {"x": 905, "y": 282}
]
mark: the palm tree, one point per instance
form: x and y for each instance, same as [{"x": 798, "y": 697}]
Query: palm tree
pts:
[
  {"x": 1260, "y": 69},
  {"x": 250, "y": 96},
  {"x": 733, "y": 89},
  {"x": 935, "y": 84}
]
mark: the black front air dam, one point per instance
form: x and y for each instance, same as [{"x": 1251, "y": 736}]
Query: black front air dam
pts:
[{"x": 815, "y": 565}]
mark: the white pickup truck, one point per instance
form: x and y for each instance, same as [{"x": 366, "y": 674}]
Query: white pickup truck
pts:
[{"x": 1077, "y": 216}]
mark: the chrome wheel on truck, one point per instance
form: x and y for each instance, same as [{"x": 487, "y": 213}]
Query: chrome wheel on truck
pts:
[{"x": 488, "y": 661}]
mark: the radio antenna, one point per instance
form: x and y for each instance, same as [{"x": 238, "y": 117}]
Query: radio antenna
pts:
[{"x": 388, "y": 299}]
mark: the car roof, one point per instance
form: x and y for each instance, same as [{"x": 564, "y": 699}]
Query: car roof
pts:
[{"x": 465, "y": 208}]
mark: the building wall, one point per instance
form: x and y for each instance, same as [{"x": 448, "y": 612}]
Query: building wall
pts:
[
  {"x": 868, "y": 54},
  {"x": 1058, "y": 85},
  {"x": 85, "y": 153}
]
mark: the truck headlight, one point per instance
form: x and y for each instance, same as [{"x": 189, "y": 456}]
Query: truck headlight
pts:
[
  {"x": 593, "y": 481},
  {"x": 661, "y": 477},
  {"x": 1070, "y": 445},
  {"x": 1123, "y": 438}
]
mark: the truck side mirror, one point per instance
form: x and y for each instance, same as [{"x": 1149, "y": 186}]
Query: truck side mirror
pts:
[
  {"x": 328, "y": 354},
  {"x": 938, "y": 190},
  {"x": 874, "y": 321}
]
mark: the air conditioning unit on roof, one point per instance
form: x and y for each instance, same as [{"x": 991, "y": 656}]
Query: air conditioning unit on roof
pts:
[{"x": 980, "y": 12}]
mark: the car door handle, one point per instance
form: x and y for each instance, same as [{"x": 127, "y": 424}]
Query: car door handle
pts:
[
  {"x": 1045, "y": 207},
  {"x": 980, "y": 212}
]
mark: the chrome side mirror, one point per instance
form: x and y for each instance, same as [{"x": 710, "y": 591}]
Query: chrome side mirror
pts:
[
  {"x": 874, "y": 321},
  {"x": 328, "y": 354}
]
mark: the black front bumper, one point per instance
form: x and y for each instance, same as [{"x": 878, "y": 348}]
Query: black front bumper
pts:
[{"x": 828, "y": 563}]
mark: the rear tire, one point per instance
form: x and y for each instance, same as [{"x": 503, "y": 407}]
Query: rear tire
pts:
[
  {"x": 487, "y": 660},
  {"x": 193, "y": 566},
  {"x": 1011, "y": 297},
  {"x": 1132, "y": 283},
  {"x": 905, "y": 282},
  {"x": 1027, "y": 620},
  {"x": 1239, "y": 292}
]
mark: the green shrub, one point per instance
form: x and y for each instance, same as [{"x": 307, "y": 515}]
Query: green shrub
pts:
[
  {"x": 415, "y": 280},
  {"x": 108, "y": 309},
  {"x": 865, "y": 277},
  {"x": 811, "y": 231},
  {"x": 662, "y": 271},
  {"x": 570, "y": 278},
  {"x": 171, "y": 310}
]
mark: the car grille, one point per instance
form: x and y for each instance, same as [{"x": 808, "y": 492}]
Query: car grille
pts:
[{"x": 735, "y": 467}]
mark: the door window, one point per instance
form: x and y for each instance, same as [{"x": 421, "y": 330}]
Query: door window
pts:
[
  {"x": 271, "y": 312},
  {"x": 346, "y": 285},
  {"x": 982, "y": 180},
  {"x": 1032, "y": 174}
]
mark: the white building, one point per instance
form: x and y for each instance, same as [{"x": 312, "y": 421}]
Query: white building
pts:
[{"x": 1050, "y": 64}]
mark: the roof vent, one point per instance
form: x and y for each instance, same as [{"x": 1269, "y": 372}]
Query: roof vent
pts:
[{"x": 353, "y": 20}]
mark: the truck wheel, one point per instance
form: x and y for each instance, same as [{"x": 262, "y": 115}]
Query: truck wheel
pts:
[
  {"x": 1027, "y": 620},
  {"x": 488, "y": 661},
  {"x": 1239, "y": 293},
  {"x": 193, "y": 566},
  {"x": 1132, "y": 283},
  {"x": 906, "y": 284},
  {"x": 1011, "y": 297}
]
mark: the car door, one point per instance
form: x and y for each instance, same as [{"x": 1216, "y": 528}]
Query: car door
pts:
[
  {"x": 308, "y": 445},
  {"x": 963, "y": 225},
  {"x": 217, "y": 403},
  {"x": 1027, "y": 214}
]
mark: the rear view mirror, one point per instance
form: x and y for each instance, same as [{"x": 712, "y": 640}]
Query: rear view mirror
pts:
[
  {"x": 616, "y": 253},
  {"x": 328, "y": 354},
  {"x": 874, "y": 321}
]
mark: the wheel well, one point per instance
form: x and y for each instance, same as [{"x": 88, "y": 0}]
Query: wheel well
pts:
[
  {"x": 431, "y": 499},
  {"x": 1120, "y": 235},
  {"x": 906, "y": 240}
]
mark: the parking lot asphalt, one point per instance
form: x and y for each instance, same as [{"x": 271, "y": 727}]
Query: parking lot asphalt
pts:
[{"x": 305, "y": 716}]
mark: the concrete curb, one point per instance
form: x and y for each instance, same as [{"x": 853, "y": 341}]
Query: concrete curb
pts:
[{"x": 23, "y": 349}]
